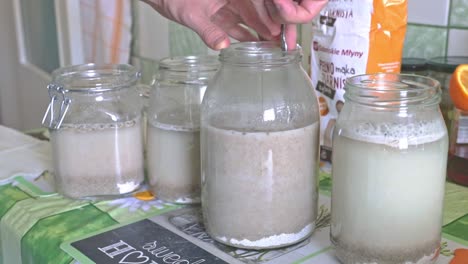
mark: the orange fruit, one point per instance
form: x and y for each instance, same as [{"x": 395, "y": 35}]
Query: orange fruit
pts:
[{"x": 459, "y": 87}]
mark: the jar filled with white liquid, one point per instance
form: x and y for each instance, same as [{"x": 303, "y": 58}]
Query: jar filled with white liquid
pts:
[
  {"x": 259, "y": 132},
  {"x": 389, "y": 164},
  {"x": 95, "y": 125},
  {"x": 173, "y": 134}
]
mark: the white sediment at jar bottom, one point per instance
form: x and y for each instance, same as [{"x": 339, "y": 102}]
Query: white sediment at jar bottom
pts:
[
  {"x": 187, "y": 200},
  {"x": 356, "y": 258},
  {"x": 271, "y": 241},
  {"x": 423, "y": 260}
]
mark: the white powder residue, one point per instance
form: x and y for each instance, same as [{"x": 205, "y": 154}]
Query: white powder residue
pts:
[
  {"x": 273, "y": 241},
  {"x": 425, "y": 259},
  {"x": 128, "y": 186},
  {"x": 187, "y": 200}
]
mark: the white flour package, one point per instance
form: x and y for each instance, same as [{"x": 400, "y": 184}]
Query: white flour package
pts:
[{"x": 352, "y": 37}]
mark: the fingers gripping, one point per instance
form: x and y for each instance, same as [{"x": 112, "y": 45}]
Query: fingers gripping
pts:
[
  {"x": 198, "y": 16},
  {"x": 291, "y": 12}
]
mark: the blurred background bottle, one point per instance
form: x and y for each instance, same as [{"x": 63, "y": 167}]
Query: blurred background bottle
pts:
[
  {"x": 457, "y": 164},
  {"x": 416, "y": 66},
  {"x": 441, "y": 69}
]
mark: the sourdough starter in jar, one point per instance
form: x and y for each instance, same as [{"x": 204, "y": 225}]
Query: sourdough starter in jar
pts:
[
  {"x": 389, "y": 159},
  {"x": 261, "y": 193},
  {"x": 259, "y": 148},
  {"x": 174, "y": 127},
  {"x": 98, "y": 159},
  {"x": 174, "y": 156},
  {"x": 388, "y": 210}
]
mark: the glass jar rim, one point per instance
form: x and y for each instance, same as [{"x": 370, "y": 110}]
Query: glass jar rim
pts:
[
  {"x": 93, "y": 77},
  {"x": 204, "y": 63},
  {"x": 259, "y": 53},
  {"x": 393, "y": 90}
]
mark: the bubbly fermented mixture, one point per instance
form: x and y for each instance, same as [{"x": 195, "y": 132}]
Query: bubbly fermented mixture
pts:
[
  {"x": 388, "y": 190},
  {"x": 98, "y": 159},
  {"x": 173, "y": 154},
  {"x": 260, "y": 188},
  {"x": 174, "y": 163}
]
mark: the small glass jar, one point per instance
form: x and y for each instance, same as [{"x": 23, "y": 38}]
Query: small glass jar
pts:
[
  {"x": 260, "y": 133},
  {"x": 416, "y": 66},
  {"x": 457, "y": 167},
  {"x": 173, "y": 136},
  {"x": 95, "y": 125},
  {"x": 389, "y": 162},
  {"x": 441, "y": 69}
]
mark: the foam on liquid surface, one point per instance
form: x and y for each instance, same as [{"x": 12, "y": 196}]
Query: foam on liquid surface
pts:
[{"x": 396, "y": 134}]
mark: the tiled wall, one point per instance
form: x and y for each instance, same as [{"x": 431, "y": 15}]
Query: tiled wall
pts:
[{"x": 437, "y": 28}]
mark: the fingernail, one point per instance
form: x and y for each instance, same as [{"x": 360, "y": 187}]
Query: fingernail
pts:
[{"x": 224, "y": 43}]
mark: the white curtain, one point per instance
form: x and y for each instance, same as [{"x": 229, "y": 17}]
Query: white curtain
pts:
[{"x": 106, "y": 30}]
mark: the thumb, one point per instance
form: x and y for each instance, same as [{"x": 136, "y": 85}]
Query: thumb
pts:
[
  {"x": 213, "y": 36},
  {"x": 291, "y": 36}
]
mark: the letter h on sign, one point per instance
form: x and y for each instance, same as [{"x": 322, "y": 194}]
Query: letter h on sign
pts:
[{"x": 116, "y": 249}]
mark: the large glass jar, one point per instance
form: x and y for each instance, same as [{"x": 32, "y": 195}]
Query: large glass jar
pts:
[
  {"x": 173, "y": 148},
  {"x": 389, "y": 161},
  {"x": 259, "y": 132},
  {"x": 95, "y": 125}
]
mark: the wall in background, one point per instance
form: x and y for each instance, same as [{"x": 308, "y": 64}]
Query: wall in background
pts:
[
  {"x": 155, "y": 37},
  {"x": 437, "y": 28}
]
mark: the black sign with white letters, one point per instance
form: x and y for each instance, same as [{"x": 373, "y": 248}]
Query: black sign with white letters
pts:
[
  {"x": 143, "y": 242},
  {"x": 325, "y": 89}
]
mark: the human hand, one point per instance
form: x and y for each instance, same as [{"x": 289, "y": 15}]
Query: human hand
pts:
[
  {"x": 217, "y": 20},
  {"x": 292, "y": 12}
]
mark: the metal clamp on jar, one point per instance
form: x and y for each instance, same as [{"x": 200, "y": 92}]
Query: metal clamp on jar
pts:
[{"x": 94, "y": 119}]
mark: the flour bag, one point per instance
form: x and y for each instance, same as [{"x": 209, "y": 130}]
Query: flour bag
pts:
[{"x": 352, "y": 37}]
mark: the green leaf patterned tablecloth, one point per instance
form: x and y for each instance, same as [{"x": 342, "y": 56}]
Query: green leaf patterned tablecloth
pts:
[
  {"x": 32, "y": 227},
  {"x": 34, "y": 221}
]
